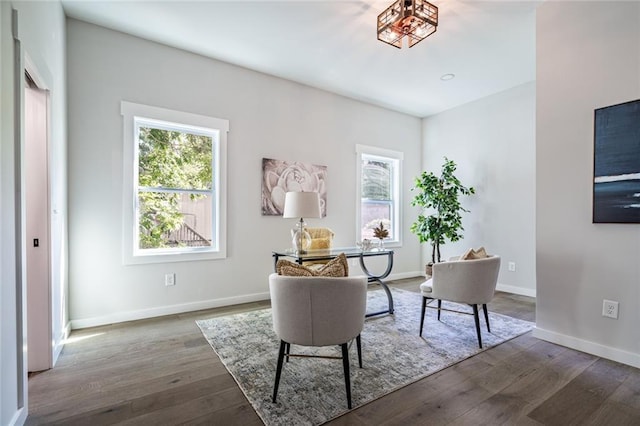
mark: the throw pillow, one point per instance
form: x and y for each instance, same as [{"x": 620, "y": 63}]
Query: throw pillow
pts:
[
  {"x": 292, "y": 269},
  {"x": 337, "y": 267},
  {"x": 467, "y": 254},
  {"x": 480, "y": 253},
  {"x": 472, "y": 254}
]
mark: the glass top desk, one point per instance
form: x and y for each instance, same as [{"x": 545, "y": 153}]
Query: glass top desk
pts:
[{"x": 349, "y": 252}]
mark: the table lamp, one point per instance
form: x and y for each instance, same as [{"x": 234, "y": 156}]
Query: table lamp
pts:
[{"x": 301, "y": 205}]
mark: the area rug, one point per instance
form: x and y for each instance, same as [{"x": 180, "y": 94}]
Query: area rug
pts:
[{"x": 312, "y": 390}]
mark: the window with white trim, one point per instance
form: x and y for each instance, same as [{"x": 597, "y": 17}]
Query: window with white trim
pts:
[
  {"x": 174, "y": 174},
  {"x": 378, "y": 185}
]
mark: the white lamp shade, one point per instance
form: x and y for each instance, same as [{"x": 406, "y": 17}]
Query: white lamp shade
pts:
[{"x": 301, "y": 204}]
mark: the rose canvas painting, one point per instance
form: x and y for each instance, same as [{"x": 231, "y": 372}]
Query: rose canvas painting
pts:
[{"x": 280, "y": 177}]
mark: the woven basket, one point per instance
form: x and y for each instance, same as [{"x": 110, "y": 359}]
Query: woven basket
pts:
[{"x": 429, "y": 269}]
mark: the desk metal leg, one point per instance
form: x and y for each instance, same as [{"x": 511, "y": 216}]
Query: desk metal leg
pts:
[
  {"x": 378, "y": 279},
  {"x": 389, "y": 298}
]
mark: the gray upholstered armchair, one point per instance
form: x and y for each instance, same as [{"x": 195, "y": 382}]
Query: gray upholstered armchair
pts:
[
  {"x": 318, "y": 311},
  {"x": 471, "y": 282}
]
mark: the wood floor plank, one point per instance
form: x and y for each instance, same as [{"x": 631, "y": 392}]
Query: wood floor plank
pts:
[
  {"x": 216, "y": 405},
  {"x": 139, "y": 391},
  {"x": 440, "y": 408},
  {"x": 499, "y": 409},
  {"x": 514, "y": 367},
  {"x": 537, "y": 380},
  {"x": 585, "y": 394},
  {"x": 546, "y": 378},
  {"x": 152, "y": 376},
  {"x": 629, "y": 391},
  {"x": 235, "y": 415},
  {"x": 612, "y": 413}
]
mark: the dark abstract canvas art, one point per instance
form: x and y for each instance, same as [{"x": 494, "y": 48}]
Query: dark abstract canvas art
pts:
[{"x": 616, "y": 171}]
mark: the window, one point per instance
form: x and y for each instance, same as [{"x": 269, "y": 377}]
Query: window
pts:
[
  {"x": 175, "y": 196},
  {"x": 379, "y": 172}
]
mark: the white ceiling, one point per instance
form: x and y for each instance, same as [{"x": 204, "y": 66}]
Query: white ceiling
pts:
[{"x": 332, "y": 45}]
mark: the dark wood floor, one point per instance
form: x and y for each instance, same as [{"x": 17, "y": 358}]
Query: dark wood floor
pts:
[{"x": 162, "y": 372}]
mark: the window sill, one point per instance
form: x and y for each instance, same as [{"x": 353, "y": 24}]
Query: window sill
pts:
[{"x": 173, "y": 257}]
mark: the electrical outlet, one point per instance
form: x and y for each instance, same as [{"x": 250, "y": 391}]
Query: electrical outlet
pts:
[
  {"x": 169, "y": 279},
  {"x": 610, "y": 309},
  {"x": 512, "y": 266}
]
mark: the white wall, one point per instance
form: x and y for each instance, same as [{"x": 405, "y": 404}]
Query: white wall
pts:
[
  {"x": 582, "y": 64},
  {"x": 269, "y": 117},
  {"x": 9, "y": 409},
  {"x": 41, "y": 31},
  {"x": 492, "y": 141}
]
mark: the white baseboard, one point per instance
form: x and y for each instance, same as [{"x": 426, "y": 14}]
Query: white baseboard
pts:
[
  {"x": 531, "y": 292},
  {"x": 403, "y": 275},
  {"x": 19, "y": 417},
  {"x": 618, "y": 355},
  {"x": 165, "y": 310}
]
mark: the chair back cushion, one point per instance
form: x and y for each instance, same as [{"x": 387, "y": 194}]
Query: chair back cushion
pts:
[
  {"x": 317, "y": 311},
  {"x": 321, "y": 238},
  {"x": 466, "y": 281}
]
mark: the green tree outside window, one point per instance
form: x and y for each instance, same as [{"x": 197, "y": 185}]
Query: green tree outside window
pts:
[{"x": 170, "y": 164}]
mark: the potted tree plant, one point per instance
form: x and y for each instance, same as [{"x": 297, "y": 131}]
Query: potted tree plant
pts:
[{"x": 440, "y": 197}]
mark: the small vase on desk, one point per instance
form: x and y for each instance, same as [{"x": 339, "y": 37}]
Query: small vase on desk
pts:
[{"x": 380, "y": 243}]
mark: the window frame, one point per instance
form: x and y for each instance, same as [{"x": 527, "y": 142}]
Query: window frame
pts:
[
  {"x": 166, "y": 119},
  {"x": 387, "y": 155}
]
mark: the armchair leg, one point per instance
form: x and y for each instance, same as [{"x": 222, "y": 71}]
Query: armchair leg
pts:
[
  {"x": 347, "y": 378},
  {"x": 287, "y": 351},
  {"x": 279, "y": 369},
  {"x": 359, "y": 345},
  {"x": 486, "y": 316},
  {"x": 424, "y": 308},
  {"x": 439, "y": 308},
  {"x": 477, "y": 318}
]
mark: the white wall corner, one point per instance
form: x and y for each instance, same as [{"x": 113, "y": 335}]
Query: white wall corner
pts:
[{"x": 60, "y": 341}]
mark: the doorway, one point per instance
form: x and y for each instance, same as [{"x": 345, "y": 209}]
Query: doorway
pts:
[{"x": 37, "y": 218}]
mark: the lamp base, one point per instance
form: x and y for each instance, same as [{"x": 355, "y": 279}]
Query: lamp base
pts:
[{"x": 300, "y": 238}]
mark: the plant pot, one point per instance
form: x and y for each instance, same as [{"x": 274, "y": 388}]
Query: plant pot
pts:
[{"x": 429, "y": 269}]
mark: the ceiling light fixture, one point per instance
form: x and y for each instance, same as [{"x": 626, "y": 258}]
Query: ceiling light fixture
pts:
[
  {"x": 446, "y": 77},
  {"x": 416, "y": 19}
]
